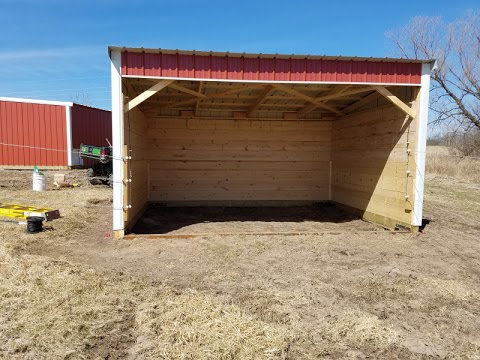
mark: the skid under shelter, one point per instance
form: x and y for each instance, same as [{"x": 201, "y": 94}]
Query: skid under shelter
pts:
[{"x": 207, "y": 128}]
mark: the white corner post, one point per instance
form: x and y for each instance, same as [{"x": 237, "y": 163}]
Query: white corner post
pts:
[
  {"x": 421, "y": 146},
  {"x": 68, "y": 120},
  {"x": 117, "y": 141}
]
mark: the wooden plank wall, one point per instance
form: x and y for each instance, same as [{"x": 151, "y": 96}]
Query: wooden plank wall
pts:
[
  {"x": 238, "y": 160},
  {"x": 136, "y": 191},
  {"x": 370, "y": 161}
]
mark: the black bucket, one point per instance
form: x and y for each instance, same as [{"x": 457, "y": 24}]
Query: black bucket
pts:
[{"x": 34, "y": 224}]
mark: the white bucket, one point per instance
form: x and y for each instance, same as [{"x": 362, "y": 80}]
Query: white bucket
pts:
[{"x": 39, "y": 182}]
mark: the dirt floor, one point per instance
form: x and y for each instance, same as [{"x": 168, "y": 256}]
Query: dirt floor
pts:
[
  {"x": 349, "y": 289},
  {"x": 247, "y": 220}
]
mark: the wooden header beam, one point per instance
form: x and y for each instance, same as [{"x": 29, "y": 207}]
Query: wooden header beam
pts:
[{"x": 146, "y": 94}]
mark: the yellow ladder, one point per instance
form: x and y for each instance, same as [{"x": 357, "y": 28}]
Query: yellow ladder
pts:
[{"x": 22, "y": 212}]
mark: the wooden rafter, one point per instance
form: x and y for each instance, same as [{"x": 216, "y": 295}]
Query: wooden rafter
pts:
[
  {"x": 395, "y": 100},
  {"x": 129, "y": 90},
  {"x": 307, "y": 98},
  {"x": 341, "y": 92},
  {"x": 261, "y": 98},
  {"x": 363, "y": 101},
  {"x": 186, "y": 90},
  {"x": 146, "y": 94},
  {"x": 216, "y": 95},
  {"x": 200, "y": 90},
  {"x": 310, "y": 106}
]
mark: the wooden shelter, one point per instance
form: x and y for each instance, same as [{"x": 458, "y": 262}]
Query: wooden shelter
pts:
[{"x": 206, "y": 128}]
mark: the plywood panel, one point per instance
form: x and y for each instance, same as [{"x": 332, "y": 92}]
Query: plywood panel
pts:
[
  {"x": 238, "y": 160},
  {"x": 370, "y": 161}
]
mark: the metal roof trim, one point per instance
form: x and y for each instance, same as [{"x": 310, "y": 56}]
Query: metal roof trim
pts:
[
  {"x": 36, "y": 101},
  {"x": 265, "y": 56}
]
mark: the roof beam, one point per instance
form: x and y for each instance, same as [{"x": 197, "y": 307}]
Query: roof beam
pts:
[
  {"x": 186, "y": 90},
  {"x": 310, "y": 107},
  {"x": 200, "y": 90},
  {"x": 337, "y": 93},
  {"x": 146, "y": 94},
  {"x": 363, "y": 101},
  {"x": 307, "y": 98},
  {"x": 217, "y": 95},
  {"x": 395, "y": 100},
  {"x": 130, "y": 91},
  {"x": 266, "y": 91}
]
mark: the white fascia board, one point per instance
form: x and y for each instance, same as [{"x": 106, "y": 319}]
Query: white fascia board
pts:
[
  {"x": 421, "y": 145},
  {"x": 34, "y": 101},
  {"x": 117, "y": 140},
  {"x": 68, "y": 126},
  {"x": 269, "y": 81}
]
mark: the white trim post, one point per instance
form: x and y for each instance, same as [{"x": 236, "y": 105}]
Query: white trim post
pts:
[
  {"x": 68, "y": 121},
  {"x": 117, "y": 140},
  {"x": 421, "y": 146}
]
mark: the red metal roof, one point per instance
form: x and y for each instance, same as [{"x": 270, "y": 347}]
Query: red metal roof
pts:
[{"x": 267, "y": 67}]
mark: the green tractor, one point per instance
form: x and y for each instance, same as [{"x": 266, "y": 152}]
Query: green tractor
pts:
[{"x": 101, "y": 172}]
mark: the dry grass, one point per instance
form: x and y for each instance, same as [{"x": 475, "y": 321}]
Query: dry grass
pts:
[
  {"x": 53, "y": 309},
  {"x": 441, "y": 162},
  {"x": 343, "y": 294}
]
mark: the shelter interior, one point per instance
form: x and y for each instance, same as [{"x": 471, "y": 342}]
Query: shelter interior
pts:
[{"x": 210, "y": 143}]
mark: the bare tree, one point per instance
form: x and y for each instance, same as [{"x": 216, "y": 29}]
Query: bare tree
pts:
[
  {"x": 81, "y": 98},
  {"x": 456, "y": 79}
]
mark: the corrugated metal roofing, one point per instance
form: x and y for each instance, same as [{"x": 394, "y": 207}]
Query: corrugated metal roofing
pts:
[
  {"x": 264, "y": 56},
  {"x": 267, "y": 67},
  {"x": 35, "y": 132}
]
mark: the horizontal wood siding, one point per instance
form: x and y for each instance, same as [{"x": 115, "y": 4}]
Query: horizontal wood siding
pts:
[
  {"x": 136, "y": 191},
  {"x": 369, "y": 162},
  {"x": 238, "y": 160}
]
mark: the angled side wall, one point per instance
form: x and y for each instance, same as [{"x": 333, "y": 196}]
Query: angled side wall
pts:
[{"x": 373, "y": 163}]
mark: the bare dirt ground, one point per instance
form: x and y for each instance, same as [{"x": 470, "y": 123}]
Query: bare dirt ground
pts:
[{"x": 351, "y": 290}]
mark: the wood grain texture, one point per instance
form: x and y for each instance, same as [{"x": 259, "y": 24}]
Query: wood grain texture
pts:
[
  {"x": 370, "y": 161},
  {"x": 136, "y": 191},
  {"x": 229, "y": 160}
]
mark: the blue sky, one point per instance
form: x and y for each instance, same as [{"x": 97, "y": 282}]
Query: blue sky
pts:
[{"x": 57, "y": 50}]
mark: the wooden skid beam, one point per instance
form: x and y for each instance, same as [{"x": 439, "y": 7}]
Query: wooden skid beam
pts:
[
  {"x": 146, "y": 94},
  {"x": 395, "y": 100},
  {"x": 307, "y": 98},
  {"x": 268, "y": 89}
]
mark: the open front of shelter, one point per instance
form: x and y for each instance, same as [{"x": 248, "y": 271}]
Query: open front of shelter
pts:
[{"x": 223, "y": 129}]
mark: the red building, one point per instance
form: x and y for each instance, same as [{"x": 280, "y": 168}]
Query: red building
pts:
[{"x": 48, "y": 133}]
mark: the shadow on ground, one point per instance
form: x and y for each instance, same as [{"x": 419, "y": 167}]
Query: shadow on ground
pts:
[{"x": 162, "y": 220}]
